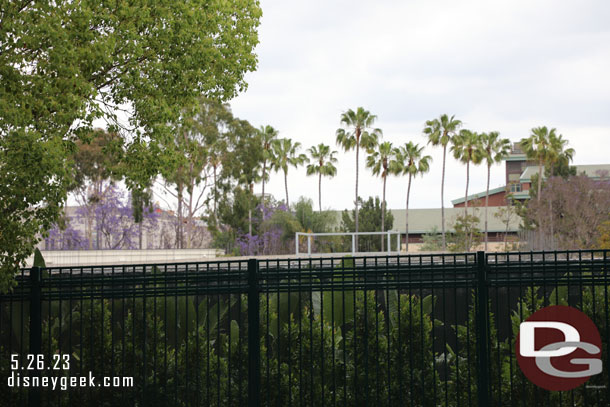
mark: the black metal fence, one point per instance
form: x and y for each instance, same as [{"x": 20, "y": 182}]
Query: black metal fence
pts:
[{"x": 418, "y": 330}]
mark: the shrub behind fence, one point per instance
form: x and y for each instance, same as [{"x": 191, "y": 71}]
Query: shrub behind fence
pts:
[{"x": 418, "y": 330}]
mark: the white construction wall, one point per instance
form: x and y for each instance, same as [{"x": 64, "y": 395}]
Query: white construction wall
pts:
[{"x": 54, "y": 258}]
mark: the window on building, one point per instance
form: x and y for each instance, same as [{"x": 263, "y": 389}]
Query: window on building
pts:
[{"x": 515, "y": 187}]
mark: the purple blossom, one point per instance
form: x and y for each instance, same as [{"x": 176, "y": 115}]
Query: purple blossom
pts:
[
  {"x": 269, "y": 239},
  {"x": 111, "y": 222}
]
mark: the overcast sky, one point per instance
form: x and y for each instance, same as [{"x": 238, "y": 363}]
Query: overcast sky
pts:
[{"x": 497, "y": 65}]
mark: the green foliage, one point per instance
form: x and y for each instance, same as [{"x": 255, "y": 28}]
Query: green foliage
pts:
[
  {"x": 433, "y": 241},
  {"x": 370, "y": 221},
  {"x": 65, "y": 64},
  {"x": 603, "y": 239},
  {"x": 316, "y": 347},
  {"x": 313, "y": 221},
  {"x": 466, "y": 233}
]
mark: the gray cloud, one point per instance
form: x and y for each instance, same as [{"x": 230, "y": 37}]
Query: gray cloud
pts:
[{"x": 501, "y": 65}]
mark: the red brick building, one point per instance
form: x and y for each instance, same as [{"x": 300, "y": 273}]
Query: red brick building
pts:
[{"x": 519, "y": 173}]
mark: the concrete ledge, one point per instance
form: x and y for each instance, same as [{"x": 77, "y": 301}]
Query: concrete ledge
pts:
[{"x": 55, "y": 258}]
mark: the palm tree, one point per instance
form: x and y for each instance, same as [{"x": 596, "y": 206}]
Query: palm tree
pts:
[
  {"x": 558, "y": 152},
  {"x": 285, "y": 154},
  {"x": 493, "y": 150},
  {"x": 322, "y": 164},
  {"x": 466, "y": 147},
  {"x": 439, "y": 132},
  {"x": 538, "y": 147},
  {"x": 358, "y": 132},
  {"x": 410, "y": 161},
  {"x": 267, "y": 135},
  {"x": 379, "y": 161}
]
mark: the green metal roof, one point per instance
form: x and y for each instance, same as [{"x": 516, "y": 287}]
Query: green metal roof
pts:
[
  {"x": 592, "y": 171},
  {"x": 479, "y": 195},
  {"x": 521, "y": 195},
  {"x": 516, "y": 157},
  {"x": 425, "y": 220}
]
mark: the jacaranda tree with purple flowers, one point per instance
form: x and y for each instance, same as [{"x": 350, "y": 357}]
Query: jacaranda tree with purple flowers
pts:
[
  {"x": 274, "y": 228},
  {"x": 111, "y": 218}
]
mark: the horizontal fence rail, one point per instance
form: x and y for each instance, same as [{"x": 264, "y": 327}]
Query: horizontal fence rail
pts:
[{"x": 416, "y": 330}]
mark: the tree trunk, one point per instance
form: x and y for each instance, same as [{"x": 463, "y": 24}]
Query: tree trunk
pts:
[
  {"x": 286, "y": 187},
  {"x": 356, "y": 217},
  {"x": 263, "y": 193},
  {"x": 505, "y": 236},
  {"x": 469, "y": 242},
  {"x": 467, "y": 180},
  {"x": 552, "y": 239},
  {"x": 487, "y": 202},
  {"x": 320, "y": 191},
  {"x": 383, "y": 216},
  {"x": 443, "y": 199},
  {"x": 140, "y": 233},
  {"x": 407, "y": 217},
  {"x": 250, "y": 211},
  {"x": 215, "y": 195},
  {"x": 538, "y": 199},
  {"x": 179, "y": 214},
  {"x": 98, "y": 231},
  {"x": 539, "y": 179}
]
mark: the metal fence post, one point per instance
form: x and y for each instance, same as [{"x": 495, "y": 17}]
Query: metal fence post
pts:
[
  {"x": 35, "y": 329},
  {"x": 482, "y": 314},
  {"x": 389, "y": 241},
  {"x": 254, "y": 345},
  {"x": 309, "y": 245}
]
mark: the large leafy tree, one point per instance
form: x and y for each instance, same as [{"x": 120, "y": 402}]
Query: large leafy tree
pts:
[
  {"x": 357, "y": 132},
  {"x": 466, "y": 147},
  {"x": 190, "y": 161},
  {"x": 411, "y": 161},
  {"x": 97, "y": 160},
  {"x": 379, "y": 162},
  {"x": 439, "y": 133},
  {"x": 493, "y": 150},
  {"x": 267, "y": 135},
  {"x": 285, "y": 153},
  {"x": 241, "y": 169},
  {"x": 322, "y": 163},
  {"x": 65, "y": 64}
]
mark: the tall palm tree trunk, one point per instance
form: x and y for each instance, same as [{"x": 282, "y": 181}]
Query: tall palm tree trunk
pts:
[
  {"x": 320, "y": 191},
  {"x": 383, "y": 215},
  {"x": 538, "y": 199},
  {"x": 407, "y": 217},
  {"x": 286, "y": 187},
  {"x": 443, "y": 199},
  {"x": 356, "y": 218},
  {"x": 487, "y": 202},
  {"x": 466, "y": 205},
  {"x": 467, "y": 180},
  {"x": 215, "y": 193}
]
